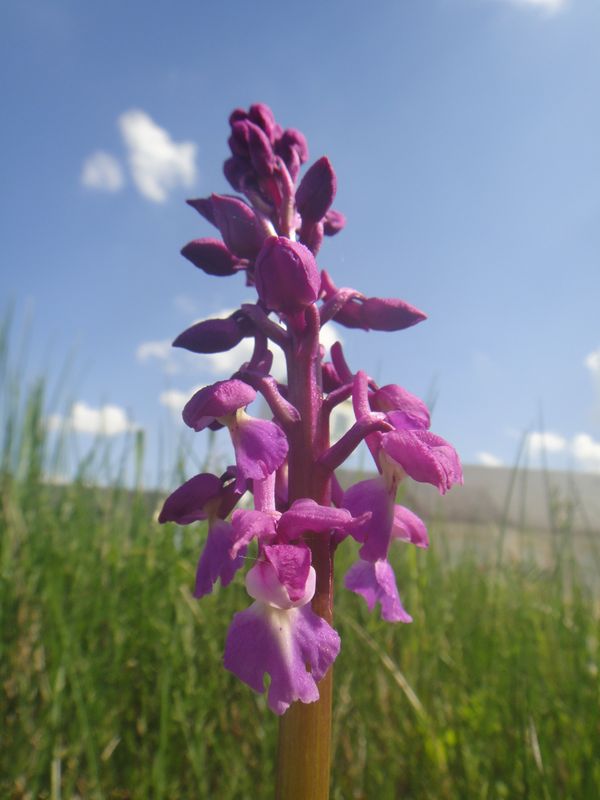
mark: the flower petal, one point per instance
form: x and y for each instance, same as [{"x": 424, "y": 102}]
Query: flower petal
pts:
[
  {"x": 376, "y": 583},
  {"x": 216, "y": 561},
  {"x": 307, "y": 515},
  {"x": 284, "y": 579},
  {"x": 408, "y": 527},
  {"x": 260, "y": 446},
  {"x": 407, "y": 410},
  {"x": 374, "y": 496},
  {"x": 187, "y": 503},
  {"x": 218, "y": 400},
  {"x": 292, "y": 567},
  {"x": 249, "y": 525},
  {"x": 285, "y": 644},
  {"x": 424, "y": 456}
]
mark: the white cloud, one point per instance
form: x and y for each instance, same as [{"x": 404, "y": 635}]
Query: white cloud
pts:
[
  {"x": 342, "y": 419},
  {"x": 224, "y": 364},
  {"x": 489, "y": 460},
  {"x": 174, "y": 399},
  {"x": 546, "y": 442},
  {"x": 108, "y": 420},
  {"x": 549, "y": 6},
  {"x": 157, "y": 163},
  {"x": 102, "y": 171},
  {"x": 587, "y": 451},
  {"x": 160, "y": 350},
  {"x": 592, "y": 362}
]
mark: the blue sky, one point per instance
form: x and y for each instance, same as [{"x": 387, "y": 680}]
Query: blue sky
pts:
[{"x": 466, "y": 139}]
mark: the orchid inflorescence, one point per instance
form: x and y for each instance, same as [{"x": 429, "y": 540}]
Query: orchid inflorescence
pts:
[{"x": 301, "y": 513}]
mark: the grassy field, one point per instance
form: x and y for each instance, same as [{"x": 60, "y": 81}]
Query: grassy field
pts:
[{"x": 111, "y": 684}]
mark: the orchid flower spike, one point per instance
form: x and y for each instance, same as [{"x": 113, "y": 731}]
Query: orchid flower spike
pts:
[{"x": 271, "y": 232}]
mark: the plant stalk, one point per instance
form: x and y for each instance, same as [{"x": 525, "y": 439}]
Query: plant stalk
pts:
[{"x": 304, "y": 750}]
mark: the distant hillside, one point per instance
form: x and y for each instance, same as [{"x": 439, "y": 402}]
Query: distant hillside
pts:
[{"x": 528, "y": 498}]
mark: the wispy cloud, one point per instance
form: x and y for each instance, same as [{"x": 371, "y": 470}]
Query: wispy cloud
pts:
[
  {"x": 545, "y": 442},
  {"x": 160, "y": 350},
  {"x": 489, "y": 460},
  {"x": 592, "y": 362},
  {"x": 175, "y": 399},
  {"x": 108, "y": 420},
  {"x": 549, "y": 6},
  {"x": 158, "y": 164},
  {"x": 103, "y": 172},
  {"x": 587, "y": 451}
]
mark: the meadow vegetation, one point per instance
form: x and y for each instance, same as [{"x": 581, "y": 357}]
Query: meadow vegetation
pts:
[{"x": 110, "y": 684}]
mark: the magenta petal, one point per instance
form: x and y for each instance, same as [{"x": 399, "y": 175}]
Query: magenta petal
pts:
[
  {"x": 291, "y": 564},
  {"x": 216, "y": 561},
  {"x": 282, "y": 643},
  {"x": 374, "y": 496},
  {"x": 376, "y": 583},
  {"x": 410, "y": 411},
  {"x": 307, "y": 515},
  {"x": 260, "y": 447},
  {"x": 186, "y": 504},
  {"x": 249, "y": 525},
  {"x": 218, "y": 400},
  {"x": 427, "y": 458},
  {"x": 408, "y": 527}
]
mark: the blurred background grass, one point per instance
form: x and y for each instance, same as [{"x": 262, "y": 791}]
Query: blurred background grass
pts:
[{"x": 111, "y": 683}]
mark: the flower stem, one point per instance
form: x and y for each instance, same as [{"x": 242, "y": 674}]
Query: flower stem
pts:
[{"x": 304, "y": 751}]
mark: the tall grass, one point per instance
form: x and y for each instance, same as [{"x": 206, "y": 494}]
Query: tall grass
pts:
[{"x": 111, "y": 684}]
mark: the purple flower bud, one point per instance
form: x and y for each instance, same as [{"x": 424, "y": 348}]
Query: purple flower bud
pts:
[
  {"x": 379, "y": 314},
  {"x": 237, "y": 171},
  {"x": 203, "y": 205},
  {"x": 333, "y": 223},
  {"x": 212, "y": 256},
  {"x": 238, "y": 141},
  {"x": 261, "y": 152},
  {"x": 262, "y": 116},
  {"x": 236, "y": 115},
  {"x": 316, "y": 191},
  {"x": 286, "y": 275},
  {"x": 291, "y": 139},
  {"x": 214, "y": 335},
  {"x": 238, "y": 225}
]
